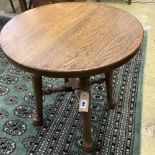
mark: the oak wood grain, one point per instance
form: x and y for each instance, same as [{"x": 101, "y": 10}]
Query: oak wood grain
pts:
[{"x": 71, "y": 39}]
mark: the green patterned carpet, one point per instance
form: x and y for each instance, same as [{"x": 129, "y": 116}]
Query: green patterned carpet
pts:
[{"x": 61, "y": 134}]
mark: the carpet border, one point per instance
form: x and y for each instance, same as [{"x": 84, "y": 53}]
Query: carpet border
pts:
[{"x": 139, "y": 101}]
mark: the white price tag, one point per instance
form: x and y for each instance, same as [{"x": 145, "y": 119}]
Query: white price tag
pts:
[{"x": 84, "y": 102}]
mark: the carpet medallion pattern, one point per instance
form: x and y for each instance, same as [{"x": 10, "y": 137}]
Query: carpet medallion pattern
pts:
[{"x": 61, "y": 133}]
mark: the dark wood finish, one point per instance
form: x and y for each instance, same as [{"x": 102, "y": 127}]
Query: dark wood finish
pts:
[
  {"x": 129, "y": 2},
  {"x": 97, "y": 81},
  {"x": 13, "y": 8},
  {"x": 23, "y": 5},
  {"x": 58, "y": 89},
  {"x": 88, "y": 143},
  {"x": 81, "y": 39},
  {"x": 37, "y": 86},
  {"x": 30, "y": 4},
  {"x": 37, "y": 3},
  {"x": 66, "y": 80},
  {"x": 110, "y": 100}
]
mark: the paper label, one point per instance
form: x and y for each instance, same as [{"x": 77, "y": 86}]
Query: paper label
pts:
[{"x": 84, "y": 102}]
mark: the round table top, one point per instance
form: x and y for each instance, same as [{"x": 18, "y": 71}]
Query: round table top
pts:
[{"x": 71, "y": 39}]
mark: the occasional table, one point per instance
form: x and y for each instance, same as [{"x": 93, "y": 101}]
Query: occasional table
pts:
[{"x": 73, "y": 41}]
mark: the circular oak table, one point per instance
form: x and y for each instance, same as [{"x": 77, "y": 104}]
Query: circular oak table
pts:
[{"x": 71, "y": 40}]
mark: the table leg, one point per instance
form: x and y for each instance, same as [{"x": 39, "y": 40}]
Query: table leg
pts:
[
  {"x": 37, "y": 86},
  {"x": 88, "y": 143},
  {"x": 129, "y": 2},
  {"x": 30, "y": 4},
  {"x": 23, "y": 5},
  {"x": 13, "y": 8},
  {"x": 37, "y": 3},
  {"x": 111, "y": 101},
  {"x": 66, "y": 80}
]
